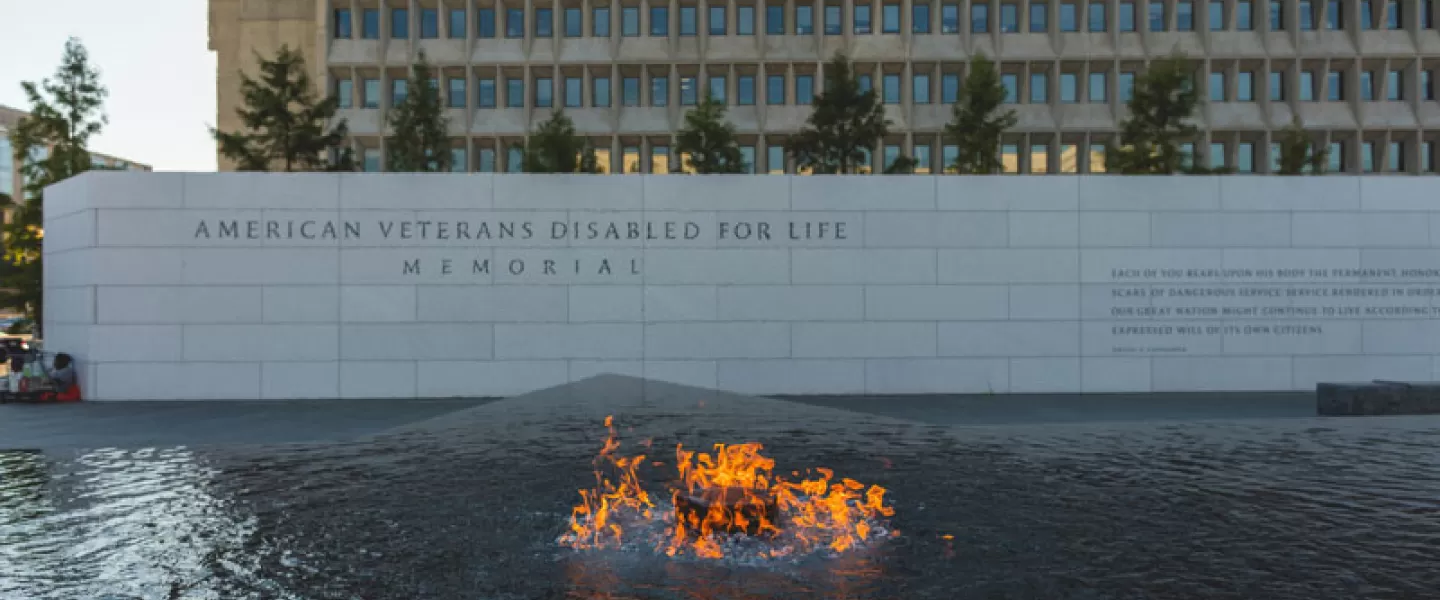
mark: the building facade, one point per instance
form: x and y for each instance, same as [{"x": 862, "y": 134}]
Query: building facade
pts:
[
  {"x": 12, "y": 179},
  {"x": 1360, "y": 74}
]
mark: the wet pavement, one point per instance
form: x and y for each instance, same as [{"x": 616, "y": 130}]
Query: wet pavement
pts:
[{"x": 469, "y": 503}]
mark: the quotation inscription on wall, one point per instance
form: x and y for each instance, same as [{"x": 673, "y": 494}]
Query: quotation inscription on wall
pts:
[
  {"x": 1169, "y": 310},
  {"x": 484, "y": 234}
]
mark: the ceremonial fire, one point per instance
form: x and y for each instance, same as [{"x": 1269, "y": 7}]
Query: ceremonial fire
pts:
[{"x": 720, "y": 497}]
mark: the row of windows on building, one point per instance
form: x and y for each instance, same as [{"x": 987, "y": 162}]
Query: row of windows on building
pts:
[
  {"x": 1071, "y": 16},
  {"x": 570, "y": 91},
  {"x": 1034, "y": 159}
]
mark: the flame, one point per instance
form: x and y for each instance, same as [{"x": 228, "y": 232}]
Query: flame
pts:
[{"x": 731, "y": 490}]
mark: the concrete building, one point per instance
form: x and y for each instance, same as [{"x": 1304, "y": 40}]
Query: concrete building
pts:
[
  {"x": 1359, "y": 73},
  {"x": 12, "y": 180}
]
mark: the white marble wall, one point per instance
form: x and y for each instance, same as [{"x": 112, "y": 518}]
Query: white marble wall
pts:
[{"x": 939, "y": 284}]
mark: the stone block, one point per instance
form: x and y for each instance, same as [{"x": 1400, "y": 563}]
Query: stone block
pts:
[
  {"x": 1114, "y": 229},
  {"x": 1219, "y": 230},
  {"x": 71, "y": 231},
  {"x": 258, "y": 266},
  {"x": 937, "y": 376},
  {"x": 254, "y": 190},
  {"x": 494, "y": 303},
  {"x": 569, "y": 192},
  {"x": 661, "y": 303},
  {"x": 1008, "y": 265},
  {"x": 1008, "y": 192},
  {"x": 276, "y": 343},
  {"x": 569, "y": 340},
  {"x": 672, "y": 341},
  {"x": 791, "y": 303},
  {"x": 377, "y": 379},
  {"x": 862, "y": 192},
  {"x": 725, "y": 266},
  {"x": 606, "y": 303},
  {"x": 868, "y": 266},
  {"x": 792, "y": 376},
  {"x": 378, "y": 304},
  {"x": 718, "y": 193},
  {"x": 416, "y": 341},
  {"x": 463, "y": 191},
  {"x": 1000, "y": 339},
  {"x": 863, "y": 340},
  {"x": 301, "y": 303},
  {"x": 289, "y": 380},
  {"x": 485, "y": 378},
  {"x": 935, "y": 302},
  {"x": 1044, "y": 229}
]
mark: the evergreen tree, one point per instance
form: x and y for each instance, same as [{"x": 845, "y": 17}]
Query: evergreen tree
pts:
[
  {"x": 709, "y": 140},
  {"x": 1299, "y": 153},
  {"x": 554, "y": 147},
  {"x": 1160, "y": 108},
  {"x": 418, "y": 139},
  {"x": 976, "y": 123},
  {"x": 844, "y": 125},
  {"x": 65, "y": 113},
  {"x": 902, "y": 165},
  {"x": 285, "y": 122}
]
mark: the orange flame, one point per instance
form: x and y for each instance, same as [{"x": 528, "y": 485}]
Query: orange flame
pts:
[{"x": 731, "y": 490}]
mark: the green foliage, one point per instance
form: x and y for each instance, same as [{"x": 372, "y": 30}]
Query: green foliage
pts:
[
  {"x": 418, "y": 126},
  {"x": 554, "y": 147},
  {"x": 977, "y": 123},
  {"x": 1160, "y": 108},
  {"x": 285, "y": 122},
  {"x": 844, "y": 125},
  {"x": 65, "y": 113},
  {"x": 902, "y": 165},
  {"x": 1299, "y": 153},
  {"x": 709, "y": 140}
]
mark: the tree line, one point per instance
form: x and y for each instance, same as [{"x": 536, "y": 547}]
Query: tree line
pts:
[{"x": 287, "y": 126}]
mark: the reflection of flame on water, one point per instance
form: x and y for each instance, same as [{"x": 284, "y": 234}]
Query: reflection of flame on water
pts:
[{"x": 728, "y": 499}]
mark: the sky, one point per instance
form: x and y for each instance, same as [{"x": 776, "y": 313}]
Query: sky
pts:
[{"x": 154, "y": 60}]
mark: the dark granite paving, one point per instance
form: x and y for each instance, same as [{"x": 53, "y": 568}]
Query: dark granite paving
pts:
[{"x": 469, "y": 503}]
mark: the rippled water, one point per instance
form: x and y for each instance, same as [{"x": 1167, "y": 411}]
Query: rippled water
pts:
[{"x": 470, "y": 505}]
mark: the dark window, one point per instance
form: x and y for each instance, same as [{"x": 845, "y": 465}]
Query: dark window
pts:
[
  {"x": 804, "y": 20},
  {"x": 372, "y": 93},
  {"x": 1097, "y": 17},
  {"x": 1185, "y": 16},
  {"x": 345, "y": 92},
  {"x": 1039, "y": 94},
  {"x": 1277, "y": 86},
  {"x": 574, "y": 27},
  {"x": 514, "y": 22},
  {"x": 544, "y": 22},
  {"x": 1367, "y": 15},
  {"x": 949, "y": 88},
  {"x": 1157, "y": 16},
  {"x": 485, "y": 93},
  {"x": 1127, "y": 86},
  {"x": 1011, "y": 83},
  {"x": 890, "y": 18},
  {"x": 1334, "y": 92},
  {"x": 429, "y": 23},
  {"x": 544, "y": 92},
  {"x": 688, "y": 25},
  {"x": 574, "y": 92},
  {"x": 979, "y": 18},
  {"x": 1334, "y": 20},
  {"x": 342, "y": 23},
  {"x": 601, "y": 26},
  {"x": 399, "y": 23},
  {"x": 370, "y": 24},
  {"x": 864, "y": 81},
  {"x": 485, "y": 23},
  {"x": 457, "y": 92},
  {"x": 399, "y": 89},
  {"x": 949, "y": 18},
  {"x": 745, "y": 20},
  {"x": 1307, "y": 15},
  {"x": 745, "y": 90},
  {"x": 862, "y": 18},
  {"x": 659, "y": 91},
  {"x": 1392, "y": 15},
  {"x": 457, "y": 23},
  {"x": 920, "y": 89},
  {"x": 775, "y": 19},
  {"x": 630, "y": 91},
  {"x": 832, "y": 20},
  {"x": 1217, "y": 16},
  {"x": 1277, "y": 15},
  {"x": 1395, "y": 85},
  {"x": 717, "y": 88},
  {"x": 1367, "y": 86},
  {"x": 630, "y": 21},
  {"x": 892, "y": 88},
  {"x": 804, "y": 89},
  {"x": 689, "y": 91},
  {"x": 1127, "y": 16},
  {"x": 601, "y": 90},
  {"x": 515, "y": 93},
  {"x": 1009, "y": 18},
  {"x": 1427, "y": 84},
  {"x": 715, "y": 20},
  {"x": 920, "y": 18},
  {"x": 1245, "y": 86},
  {"x": 1039, "y": 17},
  {"x": 1244, "y": 16},
  {"x": 775, "y": 89},
  {"x": 1069, "y": 20}
]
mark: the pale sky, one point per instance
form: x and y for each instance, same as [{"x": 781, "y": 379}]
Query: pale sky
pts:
[{"x": 151, "y": 55}]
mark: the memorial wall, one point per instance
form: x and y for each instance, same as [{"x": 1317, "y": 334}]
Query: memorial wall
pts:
[{"x": 233, "y": 285}]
